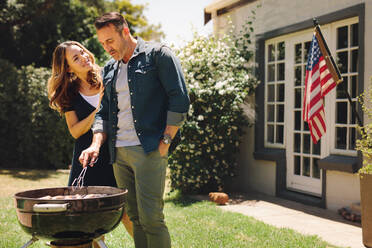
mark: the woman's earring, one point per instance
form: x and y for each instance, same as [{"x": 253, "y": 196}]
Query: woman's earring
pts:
[{"x": 72, "y": 77}]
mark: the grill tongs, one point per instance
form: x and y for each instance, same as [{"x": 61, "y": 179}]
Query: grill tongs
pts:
[{"x": 79, "y": 181}]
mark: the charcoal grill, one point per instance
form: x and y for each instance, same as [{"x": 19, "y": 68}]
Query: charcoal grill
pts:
[{"x": 69, "y": 220}]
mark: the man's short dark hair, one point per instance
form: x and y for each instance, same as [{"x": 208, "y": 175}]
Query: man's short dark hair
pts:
[{"x": 113, "y": 18}]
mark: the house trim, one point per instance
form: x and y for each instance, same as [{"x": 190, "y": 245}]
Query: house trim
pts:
[
  {"x": 223, "y": 10},
  {"x": 332, "y": 162},
  {"x": 340, "y": 163}
]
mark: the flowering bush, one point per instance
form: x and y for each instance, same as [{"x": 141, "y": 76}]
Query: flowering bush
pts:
[
  {"x": 219, "y": 75},
  {"x": 364, "y": 144}
]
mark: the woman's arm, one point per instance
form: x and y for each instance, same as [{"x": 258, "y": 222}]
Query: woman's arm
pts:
[{"x": 76, "y": 127}]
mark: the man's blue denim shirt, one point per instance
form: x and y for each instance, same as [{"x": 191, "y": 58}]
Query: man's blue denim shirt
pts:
[{"x": 158, "y": 95}]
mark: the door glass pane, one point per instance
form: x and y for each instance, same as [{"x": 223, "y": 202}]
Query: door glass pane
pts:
[
  {"x": 298, "y": 100},
  {"x": 354, "y": 86},
  {"x": 280, "y": 92},
  {"x": 280, "y": 113},
  {"x": 270, "y": 112},
  {"x": 271, "y": 93},
  {"x": 298, "y": 119},
  {"x": 341, "y": 110},
  {"x": 280, "y": 70},
  {"x": 341, "y": 137},
  {"x": 316, "y": 170},
  {"x": 354, "y": 34},
  {"x": 342, "y": 61},
  {"x": 298, "y": 53},
  {"x": 297, "y": 75},
  {"x": 354, "y": 61},
  {"x": 271, "y": 73},
  {"x": 352, "y": 138},
  {"x": 306, "y": 167},
  {"x": 306, "y": 126},
  {"x": 279, "y": 134},
  {"x": 316, "y": 148},
  {"x": 342, "y": 37},
  {"x": 297, "y": 142},
  {"x": 271, "y": 53},
  {"x": 352, "y": 114},
  {"x": 306, "y": 144},
  {"x": 281, "y": 51},
  {"x": 306, "y": 52},
  {"x": 270, "y": 133},
  {"x": 303, "y": 75},
  {"x": 340, "y": 89},
  {"x": 297, "y": 165}
]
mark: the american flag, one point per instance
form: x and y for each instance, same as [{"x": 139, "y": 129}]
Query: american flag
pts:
[{"x": 321, "y": 77}]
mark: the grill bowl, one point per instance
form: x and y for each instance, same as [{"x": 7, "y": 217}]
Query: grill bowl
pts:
[{"x": 70, "y": 219}]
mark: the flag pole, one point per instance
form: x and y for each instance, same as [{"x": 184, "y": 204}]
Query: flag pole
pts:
[{"x": 353, "y": 107}]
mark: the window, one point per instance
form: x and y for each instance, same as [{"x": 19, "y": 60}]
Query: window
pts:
[
  {"x": 347, "y": 60},
  {"x": 275, "y": 94}
]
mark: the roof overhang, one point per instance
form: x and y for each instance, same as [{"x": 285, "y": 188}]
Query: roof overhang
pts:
[{"x": 222, "y": 7}]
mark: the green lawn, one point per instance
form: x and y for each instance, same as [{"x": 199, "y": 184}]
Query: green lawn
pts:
[{"x": 191, "y": 223}]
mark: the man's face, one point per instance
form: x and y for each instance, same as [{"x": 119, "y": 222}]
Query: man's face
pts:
[{"x": 112, "y": 41}]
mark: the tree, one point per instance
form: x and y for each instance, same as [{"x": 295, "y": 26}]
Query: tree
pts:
[
  {"x": 32, "y": 29},
  {"x": 138, "y": 23}
]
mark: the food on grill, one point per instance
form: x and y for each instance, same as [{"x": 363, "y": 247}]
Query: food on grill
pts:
[{"x": 69, "y": 197}]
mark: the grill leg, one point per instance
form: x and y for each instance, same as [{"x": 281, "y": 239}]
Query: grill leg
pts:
[
  {"x": 101, "y": 244},
  {"x": 30, "y": 242}
]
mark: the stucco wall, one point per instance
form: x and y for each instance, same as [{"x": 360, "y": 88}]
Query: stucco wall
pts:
[
  {"x": 256, "y": 175},
  {"x": 368, "y": 42},
  {"x": 342, "y": 189}
]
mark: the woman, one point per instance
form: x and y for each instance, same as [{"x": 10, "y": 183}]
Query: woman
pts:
[{"x": 75, "y": 89}]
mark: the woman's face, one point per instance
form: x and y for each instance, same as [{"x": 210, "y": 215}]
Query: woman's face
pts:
[{"x": 78, "y": 60}]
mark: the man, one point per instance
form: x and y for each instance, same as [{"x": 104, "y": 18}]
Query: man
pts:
[{"x": 144, "y": 104}]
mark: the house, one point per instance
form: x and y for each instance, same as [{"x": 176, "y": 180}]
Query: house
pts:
[{"x": 283, "y": 160}]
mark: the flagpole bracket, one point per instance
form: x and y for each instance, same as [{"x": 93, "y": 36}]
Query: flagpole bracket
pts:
[{"x": 315, "y": 22}]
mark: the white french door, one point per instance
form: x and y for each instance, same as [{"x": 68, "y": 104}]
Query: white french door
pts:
[{"x": 303, "y": 173}]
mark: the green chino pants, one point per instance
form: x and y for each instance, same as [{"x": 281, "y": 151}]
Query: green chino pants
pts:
[{"x": 144, "y": 177}]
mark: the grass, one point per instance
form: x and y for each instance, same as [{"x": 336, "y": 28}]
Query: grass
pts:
[{"x": 191, "y": 223}]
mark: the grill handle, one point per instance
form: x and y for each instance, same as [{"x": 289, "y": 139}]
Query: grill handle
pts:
[{"x": 50, "y": 208}]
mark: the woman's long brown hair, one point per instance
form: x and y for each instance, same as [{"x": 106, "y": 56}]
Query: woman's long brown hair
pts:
[{"x": 61, "y": 90}]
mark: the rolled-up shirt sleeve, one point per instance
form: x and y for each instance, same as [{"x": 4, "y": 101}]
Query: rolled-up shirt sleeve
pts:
[
  {"x": 173, "y": 81},
  {"x": 175, "y": 119},
  {"x": 99, "y": 126}
]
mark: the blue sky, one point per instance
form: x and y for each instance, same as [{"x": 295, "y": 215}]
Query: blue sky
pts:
[{"x": 177, "y": 17}]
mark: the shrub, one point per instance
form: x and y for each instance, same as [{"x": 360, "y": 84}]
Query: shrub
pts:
[
  {"x": 219, "y": 75},
  {"x": 34, "y": 135},
  {"x": 364, "y": 144}
]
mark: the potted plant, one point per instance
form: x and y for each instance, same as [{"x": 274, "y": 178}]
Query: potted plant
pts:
[{"x": 364, "y": 144}]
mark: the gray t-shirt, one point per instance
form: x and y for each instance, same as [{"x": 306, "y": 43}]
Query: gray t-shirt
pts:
[{"x": 126, "y": 135}]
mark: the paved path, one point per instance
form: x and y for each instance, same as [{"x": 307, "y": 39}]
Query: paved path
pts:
[{"x": 278, "y": 212}]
